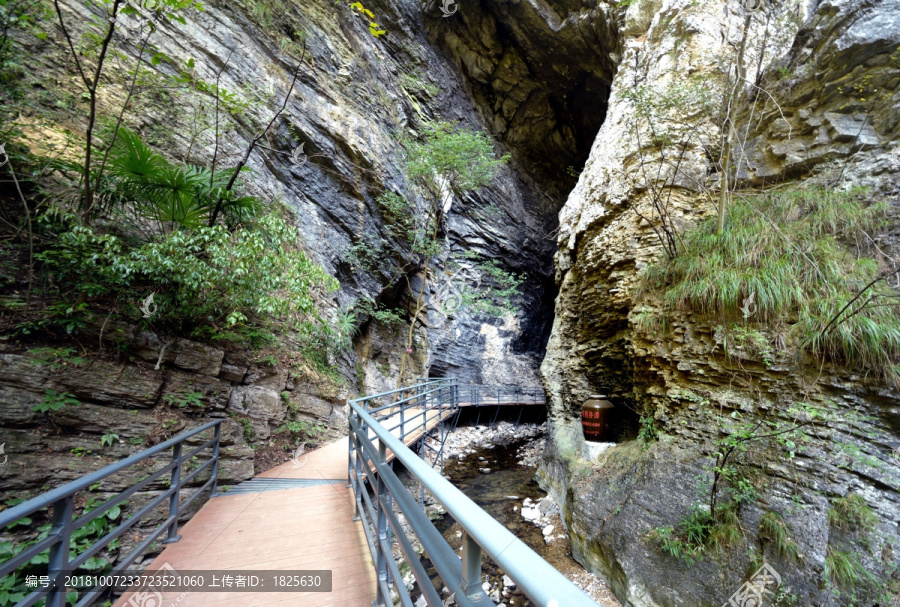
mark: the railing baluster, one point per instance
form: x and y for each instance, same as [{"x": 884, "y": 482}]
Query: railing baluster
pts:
[
  {"x": 175, "y": 486},
  {"x": 349, "y": 453},
  {"x": 381, "y": 524},
  {"x": 64, "y": 523},
  {"x": 470, "y": 584},
  {"x": 61, "y": 525},
  {"x": 217, "y": 436},
  {"x": 359, "y": 486}
]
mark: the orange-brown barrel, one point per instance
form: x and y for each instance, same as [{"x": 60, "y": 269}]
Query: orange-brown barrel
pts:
[{"x": 594, "y": 417}]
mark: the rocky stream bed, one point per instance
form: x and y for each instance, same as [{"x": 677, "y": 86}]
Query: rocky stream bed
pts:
[{"x": 495, "y": 467}]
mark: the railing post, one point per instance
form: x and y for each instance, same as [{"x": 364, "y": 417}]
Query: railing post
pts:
[
  {"x": 215, "y": 467},
  {"x": 470, "y": 584},
  {"x": 61, "y": 525},
  {"x": 175, "y": 486},
  {"x": 389, "y": 504},
  {"x": 358, "y": 487},
  {"x": 349, "y": 452},
  {"x": 402, "y": 424},
  {"x": 381, "y": 523}
]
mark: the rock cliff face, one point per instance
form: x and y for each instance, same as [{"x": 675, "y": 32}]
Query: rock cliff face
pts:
[
  {"x": 542, "y": 76},
  {"x": 356, "y": 98},
  {"x": 829, "y": 79}
]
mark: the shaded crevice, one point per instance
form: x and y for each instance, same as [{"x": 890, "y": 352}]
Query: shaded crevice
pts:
[{"x": 540, "y": 72}]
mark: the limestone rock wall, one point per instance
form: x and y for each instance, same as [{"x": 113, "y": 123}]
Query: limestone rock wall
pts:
[{"x": 831, "y": 82}]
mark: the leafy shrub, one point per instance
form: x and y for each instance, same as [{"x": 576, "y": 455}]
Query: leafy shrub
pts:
[
  {"x": 208, "y": 275},
  {"x": 648, "y": 432},
  {"x": 13, "y": 587},
  {"x": 785, "y": 251},
  {"x": 463, "y": 158},
  {"x": 54, "y": 401}
]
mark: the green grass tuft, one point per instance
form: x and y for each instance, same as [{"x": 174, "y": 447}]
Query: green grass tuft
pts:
[
  {"x": 851, "y": 513},
  {"x": 787, "y": 249},
  {"x": 774, "y": 530},
  {"x": 844, "y": 569}
]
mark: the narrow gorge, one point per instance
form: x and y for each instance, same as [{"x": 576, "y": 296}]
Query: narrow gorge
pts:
[{"x": 258, "y": 211}]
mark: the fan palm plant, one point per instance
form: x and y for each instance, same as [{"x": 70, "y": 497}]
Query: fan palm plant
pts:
[{"x": 156, "y": 189}]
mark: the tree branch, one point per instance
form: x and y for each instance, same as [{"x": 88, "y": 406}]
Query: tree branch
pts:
[{"x": 255, "y": 140}]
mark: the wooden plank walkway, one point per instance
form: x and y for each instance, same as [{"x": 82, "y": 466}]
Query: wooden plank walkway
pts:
[
  {"x": 290, "y": 529},
  {"x": 412, "y": 424},
  {"x": 284, "y": 529}
]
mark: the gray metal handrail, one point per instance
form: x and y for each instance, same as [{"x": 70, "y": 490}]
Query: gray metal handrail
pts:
[
  {"x": 64, "y": 523},
  {"x": 486, "y": 395},
  {"x": 543, "y": 584}
]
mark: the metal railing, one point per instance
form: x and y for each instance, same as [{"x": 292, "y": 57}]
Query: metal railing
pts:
[
  {"x": 64, "y": 522},
  {"x": 540, "y": 582},
  {"x": 477, "y": 395},
  {"x": 412, "y": 409}
]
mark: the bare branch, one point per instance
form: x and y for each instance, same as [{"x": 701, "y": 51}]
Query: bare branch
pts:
[{"x": 255, "y": 140}]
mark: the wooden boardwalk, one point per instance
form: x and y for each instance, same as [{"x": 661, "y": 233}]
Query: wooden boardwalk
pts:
[
  {"x": 282, "y": 528},
  {"x": 412, "y": 425}
]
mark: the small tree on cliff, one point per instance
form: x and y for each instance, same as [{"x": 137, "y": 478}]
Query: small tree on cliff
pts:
[{"x": 446, "y": 164}]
